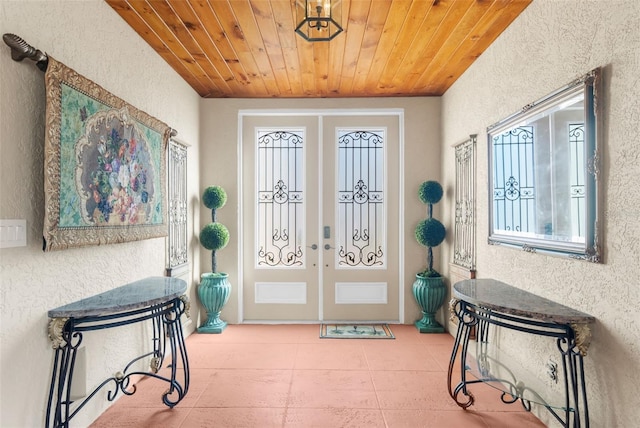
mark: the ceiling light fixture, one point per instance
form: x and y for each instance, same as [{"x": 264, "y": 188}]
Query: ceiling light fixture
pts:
[{"x": 319, "y": 20}]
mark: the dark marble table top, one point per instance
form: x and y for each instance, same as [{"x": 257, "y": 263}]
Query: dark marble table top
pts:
[
  {"x": 501, "y": 297},
  {"x": 135, "y": 295}
]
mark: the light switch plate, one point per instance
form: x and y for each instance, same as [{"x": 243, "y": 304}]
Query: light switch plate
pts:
[{"x": 13, "y": 233}]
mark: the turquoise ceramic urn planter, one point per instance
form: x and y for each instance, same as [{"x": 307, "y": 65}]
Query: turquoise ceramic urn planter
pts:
[
  {"x": 428, "y": 289},
  {"x": 429, "y": 292},
  {"x": 214, "y": 293}
]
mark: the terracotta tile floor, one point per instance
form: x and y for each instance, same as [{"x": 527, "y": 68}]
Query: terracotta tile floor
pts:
[{"x": 286, "y": 376}]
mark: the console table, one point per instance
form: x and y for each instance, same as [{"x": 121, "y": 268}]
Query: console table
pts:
[
  {"x": 158, "y": 299},
  {"x": 479, "y": 303}
]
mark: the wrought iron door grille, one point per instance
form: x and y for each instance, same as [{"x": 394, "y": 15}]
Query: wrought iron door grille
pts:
[
  {"x": 514, "y": 178},
  {"x": 361, "y": 176},
  {"x": 578, "y": 206},
  {"x": 280, "y": 219}
]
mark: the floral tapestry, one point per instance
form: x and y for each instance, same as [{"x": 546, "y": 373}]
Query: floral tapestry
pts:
[{"x": 104, "y": 166}]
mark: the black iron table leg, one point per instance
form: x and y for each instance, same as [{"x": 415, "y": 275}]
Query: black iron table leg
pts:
[
  {"x": 460, "y": 346},
  {"x": 481, "y": 303},
  {"x": 159, "y": 300}
]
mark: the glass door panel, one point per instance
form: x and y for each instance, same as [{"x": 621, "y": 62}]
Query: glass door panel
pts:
[
  {"x": 320, "y": 218},
  {"x": 280, "y": 218},
  {"x": 280, "y": 198},
  {"x": 361, "y": 203}
]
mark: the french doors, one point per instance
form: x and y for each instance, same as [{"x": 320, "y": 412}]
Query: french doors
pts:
[{"x": 320, "y": 217}]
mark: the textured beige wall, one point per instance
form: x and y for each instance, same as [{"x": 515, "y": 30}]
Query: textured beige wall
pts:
[
  {"x": 90, "y": 37},
  {"x": 550, "y": 44},
  {"x": 219, "y": 160}
]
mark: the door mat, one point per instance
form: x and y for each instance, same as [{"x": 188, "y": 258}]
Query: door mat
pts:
[{"x": 355, "y": 331}]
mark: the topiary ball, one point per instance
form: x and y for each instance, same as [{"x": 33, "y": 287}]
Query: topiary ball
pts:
[
  {"x": 214, "y": 236},
  {"x": 430, "y": 192},
  {"x": 430, "y": 232},
  {"x": 214, "y": 197}
]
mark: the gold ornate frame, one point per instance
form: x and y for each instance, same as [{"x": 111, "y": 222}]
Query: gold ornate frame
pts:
[{"x": 69, "y": 208}]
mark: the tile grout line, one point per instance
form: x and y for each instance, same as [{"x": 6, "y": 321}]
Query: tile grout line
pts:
[
  {"x": 375, "y": 389},
  {"x": 389, "y": 366},
  {"x": 293, "y": 370}
]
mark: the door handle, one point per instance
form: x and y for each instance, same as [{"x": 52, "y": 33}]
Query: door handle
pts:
[
  {"x": 314, "y": 247},
  {"x": 327, "y": 247}
]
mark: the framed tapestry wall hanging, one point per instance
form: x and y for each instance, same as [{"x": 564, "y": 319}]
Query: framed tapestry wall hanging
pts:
[{"x": 104, "y": 172}]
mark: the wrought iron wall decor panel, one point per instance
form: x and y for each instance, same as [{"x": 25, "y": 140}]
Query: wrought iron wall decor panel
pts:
[
  {"x": 177, "y": 202},
  {"x": 465, "y": 226},
  {"x": 546, "y": 184},
  {"x": 280, "y": 197},
  {"x": 361, "y": 239}
]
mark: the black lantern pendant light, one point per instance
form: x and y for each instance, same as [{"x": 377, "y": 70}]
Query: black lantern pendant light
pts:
[{"x": 319, "y": 20}]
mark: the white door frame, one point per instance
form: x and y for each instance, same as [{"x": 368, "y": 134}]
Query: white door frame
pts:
[{"x": 320, "y": 113}]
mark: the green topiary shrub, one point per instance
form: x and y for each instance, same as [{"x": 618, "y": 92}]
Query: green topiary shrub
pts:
[
  {"x": 214, "y": 197},
  {"x": 430, "y": 192},
  {"x": 430, "y": 232},
  {"x": 214, "y": 236}
]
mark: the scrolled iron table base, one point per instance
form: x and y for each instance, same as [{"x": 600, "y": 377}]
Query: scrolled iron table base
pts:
[
  {"x": 479, "y": 303},
  {"x": 160, "y": 301}
]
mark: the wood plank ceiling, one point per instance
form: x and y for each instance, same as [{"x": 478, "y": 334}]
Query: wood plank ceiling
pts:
[{"x": 249, "y": 48}]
